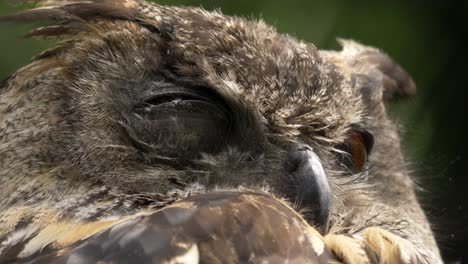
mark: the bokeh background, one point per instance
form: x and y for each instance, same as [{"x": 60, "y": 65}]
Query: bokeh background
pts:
[{"x": 425, "y": 36}]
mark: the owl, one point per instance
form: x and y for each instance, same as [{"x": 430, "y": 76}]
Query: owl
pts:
[{"x": 158, "y": 134}]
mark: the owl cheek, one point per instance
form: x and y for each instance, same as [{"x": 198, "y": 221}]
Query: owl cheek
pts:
[{"x": 308, "y": 185}]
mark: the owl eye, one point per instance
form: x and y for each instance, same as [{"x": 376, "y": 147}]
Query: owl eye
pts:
[{"x": 356, "y": 149}]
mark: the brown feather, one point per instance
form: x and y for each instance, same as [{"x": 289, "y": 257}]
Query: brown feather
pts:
[
  {"x": 51, "y": 31},
  {"x": 49, "y": 3},
  {"x": 36, "y": 15},
  {"x": 68, "y": 12},
  {"x": 91, "y": 11},
  {"x": 85, "y": 11}
]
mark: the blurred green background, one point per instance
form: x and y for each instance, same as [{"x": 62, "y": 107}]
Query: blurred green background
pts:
[{"x": 426, "y": 37}]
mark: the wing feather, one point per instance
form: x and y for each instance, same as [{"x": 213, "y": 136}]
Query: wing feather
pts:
[{"x": 221, "y": 227}]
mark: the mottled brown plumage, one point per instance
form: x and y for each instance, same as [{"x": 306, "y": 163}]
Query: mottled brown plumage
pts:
[{"x": 143, "y": 108}]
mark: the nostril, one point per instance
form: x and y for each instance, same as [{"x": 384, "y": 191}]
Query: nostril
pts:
[
  {"x": 297, "y": 155},
  {"x": 308, "y": 185}
]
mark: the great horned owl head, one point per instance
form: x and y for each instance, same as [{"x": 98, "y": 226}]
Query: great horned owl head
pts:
[{"x": 147, "y": 99}]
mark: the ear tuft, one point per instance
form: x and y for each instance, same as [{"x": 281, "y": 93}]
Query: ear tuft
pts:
[
  {"x": 65, "y": 13},
  {"x": 395, "y": 81},
  {"x": 85, "y": 10}
]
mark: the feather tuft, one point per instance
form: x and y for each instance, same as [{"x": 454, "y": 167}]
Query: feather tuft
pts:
[{"x": 63, "y": 14}]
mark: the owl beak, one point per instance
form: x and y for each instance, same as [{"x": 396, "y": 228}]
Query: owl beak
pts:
[{"x": 309, "y": 186}]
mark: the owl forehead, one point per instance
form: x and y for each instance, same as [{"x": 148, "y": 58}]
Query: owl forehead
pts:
[
  {"x": 285, "y": 78},
  {"x": 282, "y": 78},
  {"x": 251, "y": 50}
]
